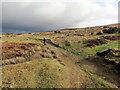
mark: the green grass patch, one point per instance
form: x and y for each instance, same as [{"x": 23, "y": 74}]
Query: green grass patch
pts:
[
  {"x": 112, "y": 45},
  {"x": 78, "y": 49}
]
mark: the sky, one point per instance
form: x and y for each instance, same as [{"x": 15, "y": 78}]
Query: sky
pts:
[{"x": 24, "y": 16}]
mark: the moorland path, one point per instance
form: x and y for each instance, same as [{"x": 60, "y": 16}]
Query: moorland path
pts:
[{"x": 77, "y": 77}]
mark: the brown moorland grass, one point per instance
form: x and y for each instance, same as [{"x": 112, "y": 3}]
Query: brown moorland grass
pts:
[{"x": 11, "y": 50}]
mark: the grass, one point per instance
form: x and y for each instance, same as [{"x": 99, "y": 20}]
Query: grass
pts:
[
  {"x": 44, "y": 73},
  {"x": 78, "y": 49},
  {"x": 97, "y": 80},
  {"x": 113, "y": 45}
]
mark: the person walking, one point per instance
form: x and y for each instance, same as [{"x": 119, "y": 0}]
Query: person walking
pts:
[{"x": 44, "y": 41}]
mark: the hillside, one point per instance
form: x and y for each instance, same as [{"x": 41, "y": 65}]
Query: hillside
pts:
[{"x": 72, "y": 58}]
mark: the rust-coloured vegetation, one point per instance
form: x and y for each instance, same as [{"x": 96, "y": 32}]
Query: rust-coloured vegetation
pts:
[{"x": 12, "y": 50}]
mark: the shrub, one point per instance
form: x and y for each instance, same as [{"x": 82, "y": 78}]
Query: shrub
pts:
[
  {"x": 52, "y": 52},
  {"x": 92, "y": 33},
  {"x": 102, "y": 41},
  {"x": 105, "y": 27},
  {"x": 57, "y": 32},
  {"x": 94, "y": 42},
  {"x": 67, "y": 43},
  {"x": 99, "y": 33},
  {"x": 19, "y": 34},
  {"x": 110, "y": 56},
  {"x": 111, "y": 37},
  {"x": 54, "y": 56},
  {"x": 111, "y": 30},
  {"x": 50, "y": 42}
]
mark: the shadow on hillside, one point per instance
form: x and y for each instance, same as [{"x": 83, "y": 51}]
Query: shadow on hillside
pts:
[{"x": 100, "y": 66}]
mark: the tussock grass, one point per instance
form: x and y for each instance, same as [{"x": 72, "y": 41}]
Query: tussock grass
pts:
[
  {"x": 98, "y": 81},
  {"x": 42, "y": 73}
]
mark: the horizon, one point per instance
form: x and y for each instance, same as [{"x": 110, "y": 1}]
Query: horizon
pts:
[{"x": 58, "y": 29}]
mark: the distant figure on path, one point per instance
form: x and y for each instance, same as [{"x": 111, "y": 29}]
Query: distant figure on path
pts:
[{"x": 44, "y": 41}]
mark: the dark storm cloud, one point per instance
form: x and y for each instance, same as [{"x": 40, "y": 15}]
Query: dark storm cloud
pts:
[{"x": 44, "y": 16}]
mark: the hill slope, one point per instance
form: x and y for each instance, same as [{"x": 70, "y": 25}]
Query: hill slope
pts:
[{"x": 68, "y": 60}]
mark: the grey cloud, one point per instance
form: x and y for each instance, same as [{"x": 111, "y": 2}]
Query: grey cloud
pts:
[{"x": 44, "y": 16}]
